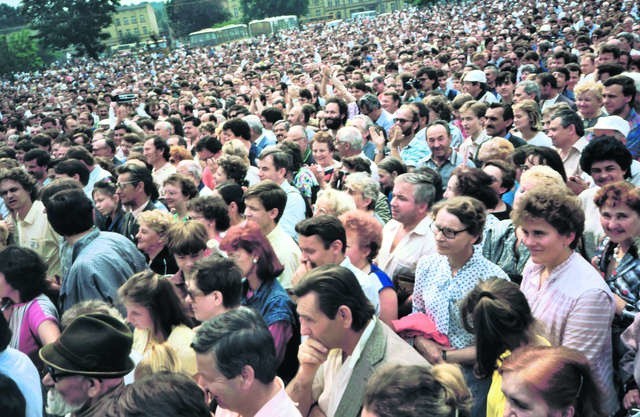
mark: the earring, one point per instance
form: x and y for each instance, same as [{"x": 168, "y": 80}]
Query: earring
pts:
[{"x": 255, "y": 260}]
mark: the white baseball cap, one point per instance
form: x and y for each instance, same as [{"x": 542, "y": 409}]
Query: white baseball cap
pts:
[
  {"x": 616, "y": 123},
  {"x": 475, "y": 76}
]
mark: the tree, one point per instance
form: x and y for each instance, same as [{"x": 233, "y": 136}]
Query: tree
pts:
[
  {"x": 189, "y": 16},
  {"x": 64, "y": 23},
  {"x": 259, "y": 9},
  {"x": 10, "y": 17}
]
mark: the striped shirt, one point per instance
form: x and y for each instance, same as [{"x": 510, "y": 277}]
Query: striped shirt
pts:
[{"x": 576, "y": 307}]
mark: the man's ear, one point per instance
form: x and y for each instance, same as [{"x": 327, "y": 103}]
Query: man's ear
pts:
[
  {"x": 248, "y": 376},
  {"x": 95, "y": 387},
  {"x": 344, "y": 316}
]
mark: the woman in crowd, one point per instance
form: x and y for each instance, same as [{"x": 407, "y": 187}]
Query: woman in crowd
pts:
[
  {"x": 235, "y": 147},
  {"x": 445, "y": 278},
  {"x": 31, "y": 315},
  {"x": 152, "y": 241},
  {"x": 187, "y": 244},
  {"x": 157, "y": 314},
  {"x": 231, "y": 168},
  {"x": 577, "y": 313},
  {"x": 608, "y": 161},
  {"x": 109, "y": 215},
  {"x": 409, "y": 391},
  {"x": 322, "y": 147},
  {"x": 364, "y": 236},
  {"x": 178, "y": 190},
  {"x": 252, "y": 252},
  {"x": 528, "y": 122},
  {"x": 498, "y": 314},
  {"x": 365, "y": 192},
  {"x": 474, "y": 182},
  {"x": 503, "y": 178},
  {"x": 550, "y": 381},
  {"x": 333, "y": 202},
  {"x": 540, "y": 155},
  {"x": 617, "y": 258},
  {"x": 589, "y": 103}
]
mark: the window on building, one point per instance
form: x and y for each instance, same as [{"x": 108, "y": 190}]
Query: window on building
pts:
[
  {"x": 141, "y": 18},
  {"x": 120, "y": 33},
  {"x": 145, "y": 30},
  {"x": 125, "y": 20},
  {"x": 117, "y": 22},
  {"x": 317, "y": 12},
  {"x": 136, "y": 30},
  {"x": 134, "y": 20}
]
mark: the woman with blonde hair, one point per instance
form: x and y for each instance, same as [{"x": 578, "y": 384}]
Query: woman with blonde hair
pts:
[
  {"x": 415, "y": 391},
  {"x": 235, "y": 147},
  {"x": 527, "y": 120},
  {"x": 333, "y": 202},
  {"x": 153, "y": 238},
  {"x": 589, "y": 102}
]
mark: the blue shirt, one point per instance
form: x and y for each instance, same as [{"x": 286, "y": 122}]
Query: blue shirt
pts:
[
  {"x": 633, "y": 138},
  {"x": 446, "y": 169}
]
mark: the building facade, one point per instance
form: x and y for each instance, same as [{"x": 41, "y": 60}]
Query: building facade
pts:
[
  {"x": 344, "y": 9},
  {"x": 132, "y": 24}
]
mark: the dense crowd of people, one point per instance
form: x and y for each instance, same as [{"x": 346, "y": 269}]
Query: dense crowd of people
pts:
[{"x": 434, "y": 209}]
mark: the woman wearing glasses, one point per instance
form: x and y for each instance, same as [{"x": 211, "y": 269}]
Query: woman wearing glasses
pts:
[{"x": 445, "y": 278}]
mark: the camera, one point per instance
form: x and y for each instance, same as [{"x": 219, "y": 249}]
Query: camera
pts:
[
  {"x": 126, "y": 98},
  {"x": 412, "y": 83}
]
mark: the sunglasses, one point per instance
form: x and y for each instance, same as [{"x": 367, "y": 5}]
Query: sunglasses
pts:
[{"x": 55, "y": 375}]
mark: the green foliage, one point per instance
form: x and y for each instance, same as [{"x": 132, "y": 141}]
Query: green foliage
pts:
[
  {"x": 10, "y": 17},
  {"x": 259, "y": 9},
  {"x": 20, "y": 52},
  {"x": 188, "y": 16},
  {"x": 71, "y": 23},
  {"x": 228, "y": 22}
]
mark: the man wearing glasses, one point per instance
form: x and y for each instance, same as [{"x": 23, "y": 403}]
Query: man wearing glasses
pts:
[
  {"x": 87, "y": 365},
  {"x": 403, "y": 143}
]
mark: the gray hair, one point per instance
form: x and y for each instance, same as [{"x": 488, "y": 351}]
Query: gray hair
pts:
[
  {"x": 352, "y": 136},
  {"x": 423, "y": 192},
  {"x": 363, "y": 183},
  {"x": 254, "y": 123},
  {"x": 530, "y": 87},
  {"x": 362, "y": 122},
  {"x": 193, "y": 168}
]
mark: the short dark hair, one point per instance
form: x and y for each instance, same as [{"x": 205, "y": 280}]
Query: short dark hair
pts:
[
  {"x": 474, "y": 182},
  {"x": 162, "y": 393},
  {"x": 23, "y": 178},
  {"x": 186, "y": 184},
  {"x": 627, "y": 84},
  {"x": 142, "y": 174},
  {"x": 24, "y": 270},
  {"x": 606, "y": 148},
  {"x": 505, "y": 76},
  {"x": 337, "y": 286},
  {"x": 547, "y": 79},
  {"x": 507, "y": 111},
  {"x": 234, "y": 167},
  {"x": 270, "y": 194},
  {"x": 211, "y": 208},
  {"x": 569, "y": 117},
  {"x": 217, "y": 273},
  {"x": 161, "y": 144},
  {"x": 12, "y": 401},
  {"x": 209, "y": 143},
  {"x": 272, "y": 114},
  {"x": 82, "y": 154},
  {"x": 232, "y": 193},
  {"x": 327, "y": 228},
  {"x": 41, "y": 156},
  {"x": 236, "y": 339},
  {"x": 281, "y": 159},
  {"x": 69, "y": 212},
  {"x": 239, "y": 128},
  {"x": 72, "y": 167}
]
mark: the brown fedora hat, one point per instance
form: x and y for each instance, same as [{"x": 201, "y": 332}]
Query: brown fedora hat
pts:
[{"x": 92, "y": 345}]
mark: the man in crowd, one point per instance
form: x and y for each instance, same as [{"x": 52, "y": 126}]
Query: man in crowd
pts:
[{"x": 156, "y": 152}]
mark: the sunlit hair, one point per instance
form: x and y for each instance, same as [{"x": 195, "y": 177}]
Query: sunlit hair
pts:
[
  {"x": 187, "y": 238},
  {"x": 495, "y": 148},
  {"x": 532, "y": 110},
  {"x": 248, "y": 236},
  {"x": 542, "y": 175},
  {"x": 622, "y": 192},
  {"x": 410, "y": 390},
  {"x": 367, "y": 228},
  {"x": 338, "y": 201},
  {"x": 560, "y": 376},
  {"x": 156, "y": 220},
  {"x": 324, "y": 137},
  {"x": 555, "y": 206},
  {"x": 595, "y": 88},
  {"x": 235, "y": 147},
  {"x": 159, "y": 357}
]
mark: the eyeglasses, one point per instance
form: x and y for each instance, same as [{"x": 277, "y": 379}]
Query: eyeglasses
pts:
[
  {"x": 446, "y": 232},
  {"x": 121, "y": 185},
  {"x": 55, "y": 375},
  {"x": 396, "y": 120}
]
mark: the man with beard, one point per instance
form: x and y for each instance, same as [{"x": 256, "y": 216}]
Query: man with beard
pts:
[
  {"x": 87, "y": 364},
  {"x": 335, "y": 112},
  {"x": 323, "y": 240},
  {"x": 403, "y": 143},
  {"x": 443, "y": 158}
]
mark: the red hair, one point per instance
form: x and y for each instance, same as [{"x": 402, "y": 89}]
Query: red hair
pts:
[
  {"x": 368, "y": 229},
  {"x": 248, "y": 236}
]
